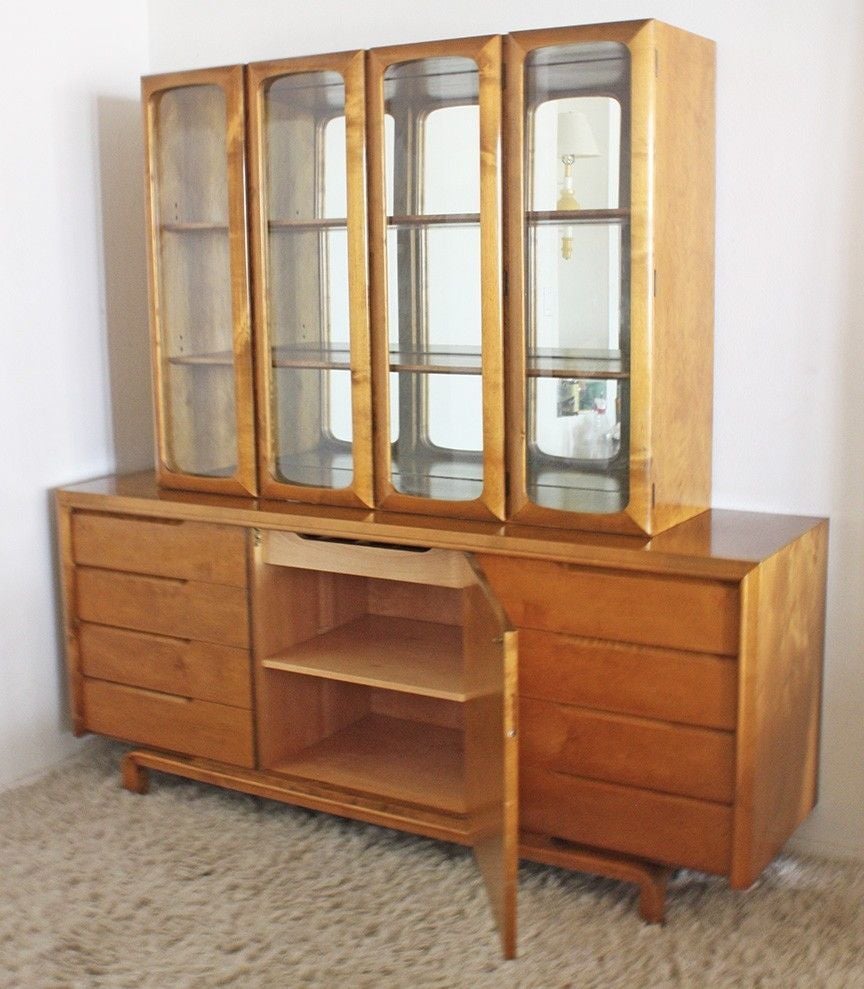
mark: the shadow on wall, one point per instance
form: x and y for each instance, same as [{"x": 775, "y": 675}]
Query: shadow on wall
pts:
[{"x": 121, "y": 168}]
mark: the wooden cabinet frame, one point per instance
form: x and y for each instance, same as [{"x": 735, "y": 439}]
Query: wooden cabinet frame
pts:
[
  {"x": 486, "y": 53},
  {"x": 243, "y": 478},
  {"x": 350, "y": 65},
  {"x": 671, "y": 275}
]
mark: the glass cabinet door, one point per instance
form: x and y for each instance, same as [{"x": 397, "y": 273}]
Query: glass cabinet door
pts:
[
  {"x": 199, "y": 292},
  {"x": 434, "y": 113},
  {"x": 571, "y": 275},
  {"x": 307, "y": 132}
]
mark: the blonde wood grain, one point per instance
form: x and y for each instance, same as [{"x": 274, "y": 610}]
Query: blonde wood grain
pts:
[
  {"x": 667, "y": 684},
  {"x": 388, "y": 758},
  {"x": 164, "y": 548},
  {"x": 783, "y": 628},
  {"x": 653, "y": 755},
  {"x": 490, "y": 658},
  {"x": 68, "y": 596},
  {"x": 395, "y": 653},
  {"x": 422, "y": 602},
  {"x": 243, "y": 478},
  {"x": 676, "y": 830},
  {"x": 389, "y": 814},
  {"x": 199, "y": 728},
  {"x": 717, "y": 545},
  {"x": 682, "y": 372},
  {"x": 701, "y": 616},
  {"x": 435, "y": 567},
  {"x": 202, "y": 670},
  {"x": 651, "y": 878},
  {"x": 260, "y": 76},
  {"x": 486, "y": 52},
  {"x": 184, "y": 609}
]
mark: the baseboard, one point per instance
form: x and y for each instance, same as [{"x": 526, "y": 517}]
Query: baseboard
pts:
[{"x": 826, "y": 849}]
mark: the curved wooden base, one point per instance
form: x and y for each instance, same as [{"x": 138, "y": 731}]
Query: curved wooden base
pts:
[{"x": 650, "y": 877}]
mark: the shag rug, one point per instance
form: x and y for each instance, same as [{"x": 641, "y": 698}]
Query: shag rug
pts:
[{"x": 192, "y": 887}]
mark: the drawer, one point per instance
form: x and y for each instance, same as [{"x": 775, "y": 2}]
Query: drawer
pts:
[
  {"x": 651, "y": 755},
  {"x": 692, "y": 688},
  {"x": 676, "y": 830},
  {"x": 164, "y": 547},
  {"x": 203, "y": 670},
  {"x": 193, "y": 727},
  {"x": 186, "y": 609},
  {"x": 676, "y": 612},
  {"x": 436, "y": 567}
]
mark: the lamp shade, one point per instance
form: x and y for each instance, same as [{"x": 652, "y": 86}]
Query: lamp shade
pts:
[{"x": 575, "y": 136}]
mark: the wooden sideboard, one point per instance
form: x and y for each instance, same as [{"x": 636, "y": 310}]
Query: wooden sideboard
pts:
[{"x": 656, "y": 700}]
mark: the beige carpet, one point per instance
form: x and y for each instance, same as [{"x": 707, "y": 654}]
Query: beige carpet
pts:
[{"x": 192, "y": 886}]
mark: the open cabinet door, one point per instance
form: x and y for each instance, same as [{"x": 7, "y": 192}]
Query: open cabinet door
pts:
[{"x": 489, "y": 646}]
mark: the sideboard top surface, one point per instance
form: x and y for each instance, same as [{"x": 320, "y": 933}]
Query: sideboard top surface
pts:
[{"x": 717, "y": 544}]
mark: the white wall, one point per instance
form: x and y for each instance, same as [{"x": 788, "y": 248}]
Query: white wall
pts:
[{"x": 71, "y": 284}]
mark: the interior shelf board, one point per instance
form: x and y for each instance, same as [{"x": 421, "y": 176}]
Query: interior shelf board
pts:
[
  {"x": 400, "y": 654},
  {"x": 390, "y": 758}
]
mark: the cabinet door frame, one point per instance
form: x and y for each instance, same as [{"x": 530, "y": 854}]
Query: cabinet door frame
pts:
[
  {"x": 230, "y": 80},
  {"x": 639, "y": 39},
  {"x": 486, "y": 52},
  {"x": 350, "y": 65}
]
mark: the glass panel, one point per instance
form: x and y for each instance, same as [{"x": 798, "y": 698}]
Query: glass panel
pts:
[
  {"x": 577, "y": 189},
  {"x": 307, "y": 269},
  {"x": 196, "y": 324},
  {"x": 434, "y": 286},
  {"x": 423, "y": 467}
]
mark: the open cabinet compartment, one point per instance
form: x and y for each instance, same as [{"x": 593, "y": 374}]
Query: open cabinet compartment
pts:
[{"x": 391, "y": 691}]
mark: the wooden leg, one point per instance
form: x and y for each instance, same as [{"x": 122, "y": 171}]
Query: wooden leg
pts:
[
  {"x": 650, "y": 877},
  {"x": 136, "y": 778}
]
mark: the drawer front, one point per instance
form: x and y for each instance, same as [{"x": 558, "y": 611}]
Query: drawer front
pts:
[
  {"x": 691, "y": 688},
  {"x": 167, "y": 548},
  {"x": 676, "y": 830},
  {"x": 652, "y": 755},
  {"x": 186, "y": 609},
  {"x": 193, "y": 727},
  {"x": 202, "y": 670},
  {"x": 679, "y": 613}
]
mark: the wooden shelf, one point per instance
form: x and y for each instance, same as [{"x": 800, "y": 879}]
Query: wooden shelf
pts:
[
  {"x": 392, "y": 758},
  {"x": 394, "y": 653},
  {"x": 553, "y": 217}
]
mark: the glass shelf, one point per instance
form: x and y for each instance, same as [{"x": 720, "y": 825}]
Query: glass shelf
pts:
[
  {"x": 313, "y": 223},
  {"x": 577, "y": 216},
  {"x": 433, "y": 220},
  {"x": 194, "y": 226},
  {"x": 553, "y": 363},
  {"x": 333, "y": 357}
]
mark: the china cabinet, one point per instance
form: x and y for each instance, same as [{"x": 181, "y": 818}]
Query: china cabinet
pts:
[
  {"x": 382, "y": 189},
  {"x": 428, "y": 542}
]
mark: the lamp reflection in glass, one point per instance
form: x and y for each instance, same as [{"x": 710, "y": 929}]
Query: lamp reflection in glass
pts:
[{"x": 575, "y": 140}]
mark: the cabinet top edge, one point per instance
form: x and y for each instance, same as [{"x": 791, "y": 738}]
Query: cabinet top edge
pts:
[{"x": 719, "y": 544}]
